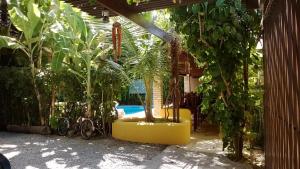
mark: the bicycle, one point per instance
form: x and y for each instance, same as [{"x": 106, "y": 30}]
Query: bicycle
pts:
[
  {"x": 90, "y": 128},
  {"x": 65, "y": 128},
  {"x": 87, "y": 127}
]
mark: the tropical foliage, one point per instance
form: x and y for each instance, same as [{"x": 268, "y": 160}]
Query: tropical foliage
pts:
[
  {"x": 223, "y": 36},
  {"x": 65, "y": 43},
  {"x": 72, "y": 55},
  {"x": 147, "y": 60},
  {"x": 61, "y": 56},
  {"x": 28, "y": 18}
]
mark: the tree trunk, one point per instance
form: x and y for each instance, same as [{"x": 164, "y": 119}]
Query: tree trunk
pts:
[
  {"x": 88, "y": 93},
  {"x": 246, "y": 76},
  {"x": 28, "y": 118},
  {"x": 238, "y": 146},
  {"x": 37, "y": 92},
  {"x": 53, "y": 100},
  {"x": 148, "y": 111}
]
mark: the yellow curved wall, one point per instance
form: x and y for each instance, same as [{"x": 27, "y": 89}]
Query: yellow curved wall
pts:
[{"x": 156, "y": 133}]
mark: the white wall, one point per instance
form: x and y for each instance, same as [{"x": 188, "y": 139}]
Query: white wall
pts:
[{"x": 190, "y": 84}]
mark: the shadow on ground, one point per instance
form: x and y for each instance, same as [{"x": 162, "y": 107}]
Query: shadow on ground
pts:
[{"x": 29, "y": 151}]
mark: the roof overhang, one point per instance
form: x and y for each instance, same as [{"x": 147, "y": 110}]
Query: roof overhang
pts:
[{"x": 131, "y": 12}]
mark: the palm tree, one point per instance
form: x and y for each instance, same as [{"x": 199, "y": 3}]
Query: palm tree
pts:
[{"x": 147, "y": 61}]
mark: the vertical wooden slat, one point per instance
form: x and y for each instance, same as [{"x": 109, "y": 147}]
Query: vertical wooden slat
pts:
[{"x": 282, "y": 84}]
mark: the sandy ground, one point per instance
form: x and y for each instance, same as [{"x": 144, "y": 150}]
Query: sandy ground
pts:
[
  {"x": 28, "y": 151},
  {"x": 203, "y": 152}
]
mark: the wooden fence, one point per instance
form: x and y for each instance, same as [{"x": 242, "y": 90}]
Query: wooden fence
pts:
[{"x": 282, "y": 83}]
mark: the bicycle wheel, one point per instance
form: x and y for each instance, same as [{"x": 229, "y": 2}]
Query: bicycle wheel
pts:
[
  {"x": 63, "y": 126},
  {"x": 73, "y": 130},
  {"x": 87, "y": 129}
]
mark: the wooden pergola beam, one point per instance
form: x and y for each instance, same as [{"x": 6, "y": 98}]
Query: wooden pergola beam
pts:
[
  {"x": 162, "y": 4},
  {"x": 123, "y": 9},
  {"x": 150, "y": 5}
]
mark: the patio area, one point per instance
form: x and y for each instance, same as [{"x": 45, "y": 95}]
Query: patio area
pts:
[
  {"x": 28, "y": 151},
  {"x": 149, "y": 84}
]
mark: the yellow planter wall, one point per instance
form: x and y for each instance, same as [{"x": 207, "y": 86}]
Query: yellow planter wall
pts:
[{"x": 157, "y": 133}]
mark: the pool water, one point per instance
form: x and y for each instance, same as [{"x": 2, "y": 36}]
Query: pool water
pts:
[{"x": 131, "y": 109}]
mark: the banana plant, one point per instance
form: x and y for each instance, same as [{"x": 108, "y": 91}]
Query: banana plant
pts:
[
  {"x": 26, "y": 16},
  {"x": 80, "y": 48}
]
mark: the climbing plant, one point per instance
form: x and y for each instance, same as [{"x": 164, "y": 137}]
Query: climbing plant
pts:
[{"x": 222, "y": 36}]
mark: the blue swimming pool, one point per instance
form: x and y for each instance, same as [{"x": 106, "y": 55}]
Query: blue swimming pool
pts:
[{"x": 131, "y": 109}]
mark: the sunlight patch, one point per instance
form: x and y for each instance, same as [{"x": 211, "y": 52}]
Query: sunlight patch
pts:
[
  {"x": 74, "y": 154},
  {"x": 8, "y": 146},
  {"x": 30, "y": 167},
  {"x": 216, "y": 162},
  {"x": 46, "y": 154},
  {"x": 56, "y": 163},
  {"x": 12, "y": 154}
]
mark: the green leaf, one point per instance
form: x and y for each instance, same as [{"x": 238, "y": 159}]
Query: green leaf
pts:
[
  {"x": 23, "y": 23},
  {"x": 34, "y": 16},
  {"x": 19, "y": 20},
  {"x": 57, "y": 61},
  {"x": 196, "y": 8},
  {"x": 129, "y": 2},
  {"x": 238, "y": 4},
  {"x": 76, "y": 22},
  {"x": 219, "y": 3},
  {"x": 7, "y": 42}
]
